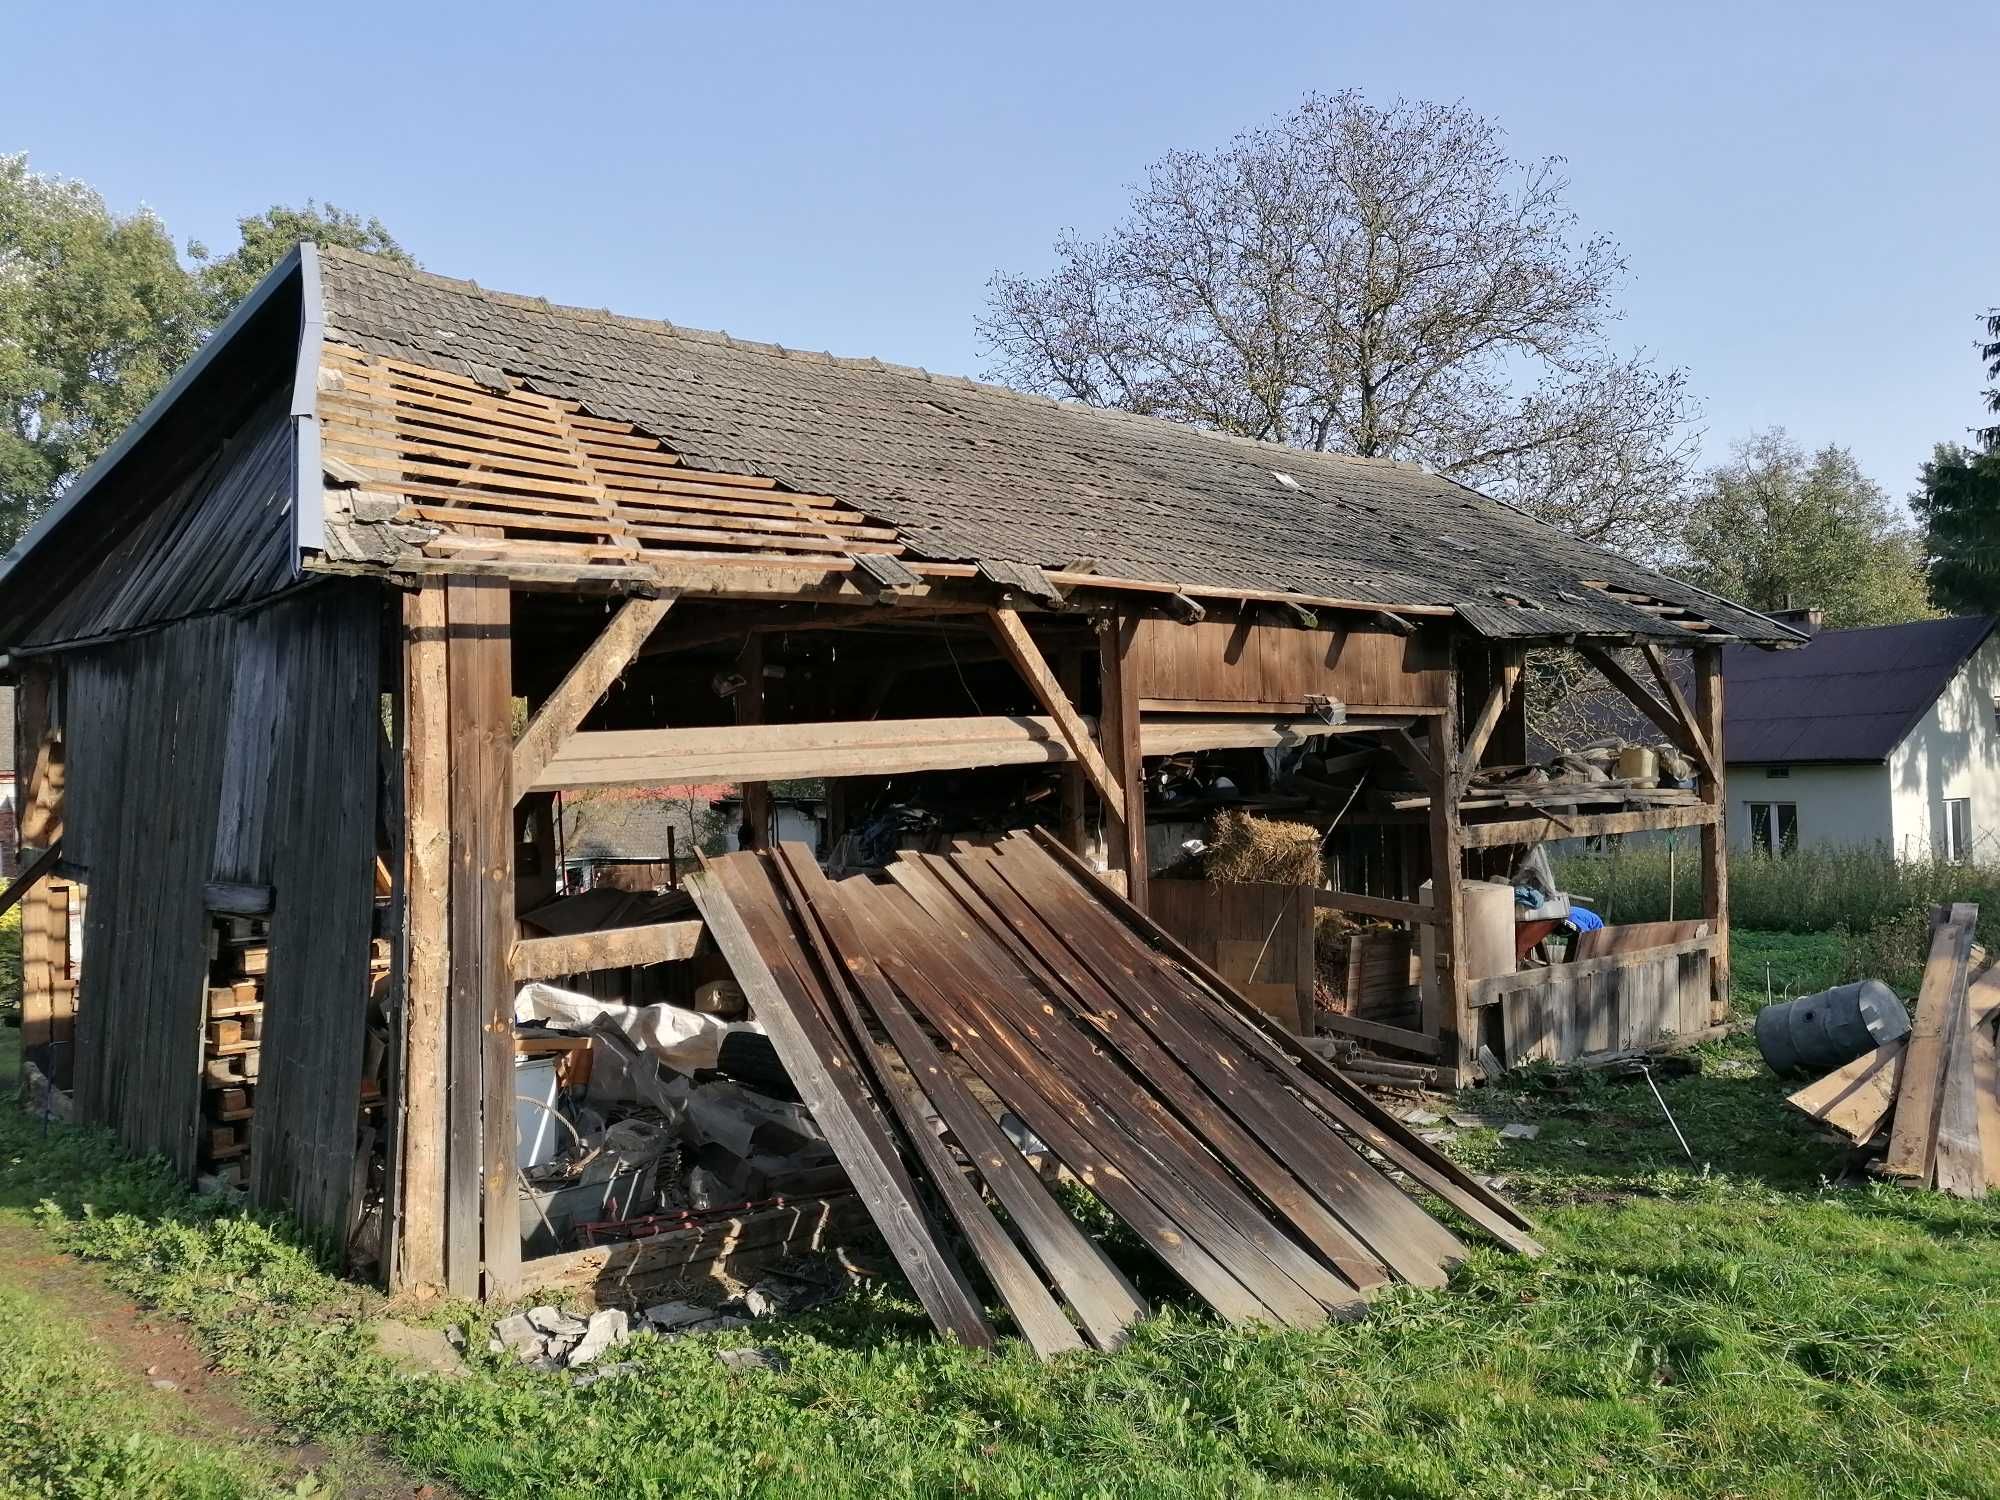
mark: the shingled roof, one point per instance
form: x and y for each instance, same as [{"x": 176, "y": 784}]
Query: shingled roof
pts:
[
  {"x": 972, "y": 473},
  {"x": 1851, "y": 695}
]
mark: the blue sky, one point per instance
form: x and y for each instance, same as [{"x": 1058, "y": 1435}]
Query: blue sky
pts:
[{"x": 1805, "y": 192}]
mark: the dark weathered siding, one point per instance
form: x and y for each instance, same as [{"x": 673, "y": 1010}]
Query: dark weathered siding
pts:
[
  {"x": 241, "y": 749},
  {"x": 221, "y": 537}
]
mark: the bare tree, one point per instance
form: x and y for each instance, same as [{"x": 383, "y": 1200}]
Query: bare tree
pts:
[{"x": 1387, "y": 282}]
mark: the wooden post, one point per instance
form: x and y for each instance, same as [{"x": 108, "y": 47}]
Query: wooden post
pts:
[
  {"x": 1714, "y": 837},
  {"x": 1072, "y": 829},
  {"x": 756, "y": 832},
  {"x": 427, "y": 914},
  {"x": 1118, "y": 729},
  {"x": 1449, "y": 1016},
  {"x": 47, "y": 1014}
]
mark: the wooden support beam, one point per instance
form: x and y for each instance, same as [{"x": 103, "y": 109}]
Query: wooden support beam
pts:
[
  {"x": 1586, "y": 826},
  {"x": 1125, "y": 833},
  {"x": 1714, "y": 844},
  {"x": 1375, "y": 906},
  {"x": 427, "y": 881},
  {"x": 1447, "y": 1016},
  {"x": 1028, "y": 661},
  {"x": 558, "y": 716},
  {"x": 1377, "y": 1031},
  {"x": 482, "y": 931},
  {"x": 615, "y": 948},
  {"x": 749, "y": 707}
]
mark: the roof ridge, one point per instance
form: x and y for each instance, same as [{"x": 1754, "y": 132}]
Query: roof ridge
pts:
[{"x": 728, "y": 340}]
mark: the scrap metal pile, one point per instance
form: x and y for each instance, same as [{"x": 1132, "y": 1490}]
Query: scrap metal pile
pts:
[
  {"x": 1004, "y": 988},
  {"x": 1933, "y": 1095}
]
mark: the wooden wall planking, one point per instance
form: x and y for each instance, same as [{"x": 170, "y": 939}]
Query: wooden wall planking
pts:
[
  {"x": 1259, "y": 937},
  {"x": 272, "y": 713},
  {"x": 1631, "y": 1001},
  {"x": 1232, "y": 662}
]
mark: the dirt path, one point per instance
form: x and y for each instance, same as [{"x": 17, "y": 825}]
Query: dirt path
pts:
[{"x": 203, "y": 1404}]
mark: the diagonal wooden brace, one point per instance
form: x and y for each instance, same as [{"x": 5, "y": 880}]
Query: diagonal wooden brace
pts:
[
  {"x": 1028, "y": 660},
  {"x": 564, "y": 709}
]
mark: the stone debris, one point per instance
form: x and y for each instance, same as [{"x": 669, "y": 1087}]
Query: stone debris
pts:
[
  {"x": 1518, "y": 1132},
  {"x": 546, "y": 1338},
  {"x": 603, "y": 1330},
  {"x": 671, "y": 1317},
  {"x": 418, "y": 1351},
  {"x": 754, "y": 1359},
  {"x": 555, "y": 1323}
]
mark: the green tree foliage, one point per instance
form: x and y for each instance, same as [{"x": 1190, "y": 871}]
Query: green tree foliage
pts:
[
  {"x": 268, "y": 238},
  {"x": 1959, "y": 506},
  {"x": 1778, "y": 528},
  {"x": 95, "y": 315},
  {"x": 97, "y": 312}
]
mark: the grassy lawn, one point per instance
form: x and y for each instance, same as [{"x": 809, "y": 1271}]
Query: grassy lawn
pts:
[{"x": 1752, "y": 1323}]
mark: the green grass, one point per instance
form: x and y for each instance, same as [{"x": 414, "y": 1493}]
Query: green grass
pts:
[
  {"x": 1879, "y": 905},
  {"x": 1752, "y": 1323}
]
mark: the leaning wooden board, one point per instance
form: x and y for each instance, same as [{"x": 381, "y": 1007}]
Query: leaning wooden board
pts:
[{"x": 1940, "y": 1008}]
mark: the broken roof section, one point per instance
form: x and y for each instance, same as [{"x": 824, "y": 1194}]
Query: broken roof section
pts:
[{"x": 938, "y": 469}]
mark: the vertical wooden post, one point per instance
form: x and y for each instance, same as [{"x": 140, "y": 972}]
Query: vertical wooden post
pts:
[
  {"x": 1118, "y": 733},
  {"x": 750, "y": 710},
  {"x": 1714, "y": 840},
  {"x": 481, "y": 987},
  {"x": 1071, "y": 829},
  {"x": 1451, "y": 1018},
  {"x": 427, "y": 915},
  {"x": 47, "y": 1016}
]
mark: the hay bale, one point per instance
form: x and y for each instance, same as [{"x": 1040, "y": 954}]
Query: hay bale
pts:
[{"x": 1248, "y": 850}]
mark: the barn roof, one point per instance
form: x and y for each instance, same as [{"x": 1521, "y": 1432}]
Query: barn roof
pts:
[
  {"x": 971, "y": 473},
  {"x": 1849, "y": 695}
]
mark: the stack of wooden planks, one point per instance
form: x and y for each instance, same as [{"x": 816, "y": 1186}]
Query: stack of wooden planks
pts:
[
  {"x": 1935, "y": 1094},
  {"x": 910, "y": 1011},
  {"x": 232, "y": 1041}
]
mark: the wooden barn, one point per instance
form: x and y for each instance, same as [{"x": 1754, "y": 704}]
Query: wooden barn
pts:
[{"x": 304, "y": 661}]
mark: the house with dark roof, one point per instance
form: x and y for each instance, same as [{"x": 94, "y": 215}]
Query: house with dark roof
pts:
[
  {"x": 396, "y": 560},
  {"x": 1888, "y": 735}
]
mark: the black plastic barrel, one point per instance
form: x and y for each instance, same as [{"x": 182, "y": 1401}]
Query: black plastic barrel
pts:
[{"x": 1818, "y": 1033}]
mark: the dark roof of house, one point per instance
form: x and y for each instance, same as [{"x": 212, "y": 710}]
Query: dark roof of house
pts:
[
  {"x": 973, "y": 473},
  {"x": 1849, "y": 695}
]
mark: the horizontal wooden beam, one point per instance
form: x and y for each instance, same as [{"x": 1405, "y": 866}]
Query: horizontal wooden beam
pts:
[
  {"x": 235, "y": 899},
  {"x": 1375, "y": 906},
  {"x": 1492, "y": 991},
  {"x": 1585, "y": 825},
  {"x": 1421, "y": 1043},
  {"x": 873, "y": 747},
  {"x": 614, "y": 948}
]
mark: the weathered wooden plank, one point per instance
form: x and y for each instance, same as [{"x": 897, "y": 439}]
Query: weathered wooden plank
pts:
[
  {"x": 1856, "y": 1099},
  {"x": 1913, "y": 1142},
  {"x": 235, "y": 898},
  {"x": 1400, "y": 1037},
  {"x": 1492, "y": 990},
  {"x": 1376, "y": 906},
  {"x": 1035, "y": 1310},
  {"x": 1448, "y": 1013},
  {"x": 1714, "y": 845},
  {"x": 1118, "y": 708},
  {"x": 1322, "y": 1085},
  {"x": 427, "y": 918},
  {"x": 614, "y": 948},
  {"x": 824, "y": 1074},
  {"x": 1534, "y": 830},
  {"x": 556, "y": 718},
  {"x": 1961, "y": 1162},
  {"x": 482, "y": 923}
]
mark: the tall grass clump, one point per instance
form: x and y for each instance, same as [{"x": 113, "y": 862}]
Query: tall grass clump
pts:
[{"x": 1879, "y": 904}]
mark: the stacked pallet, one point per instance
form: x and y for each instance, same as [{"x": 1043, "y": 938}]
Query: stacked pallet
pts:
[
  {"x": 1935, "y": 1094},
  {"x": 232, "y": 1041},
  {"x": 1275, "y": 1188}
]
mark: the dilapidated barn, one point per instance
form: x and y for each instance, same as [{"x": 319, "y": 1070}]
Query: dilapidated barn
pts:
[{"x": 304, "y": 661}]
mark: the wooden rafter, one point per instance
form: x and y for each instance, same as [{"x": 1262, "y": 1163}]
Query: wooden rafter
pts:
[
  {"x": 1668, "y": 722},
  {"x": 1028, "y": 660},
  {"x": 564, "y": 709}
]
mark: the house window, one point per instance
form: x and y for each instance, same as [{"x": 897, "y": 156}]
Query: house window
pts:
[
  {"x": 1774, "y": 827},
  {"x": 1777, "y": 773},
  {"x": 1958, "y": 829}
]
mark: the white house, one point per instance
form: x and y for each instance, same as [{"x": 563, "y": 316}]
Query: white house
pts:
[{"x": 1888, "y": 735}]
